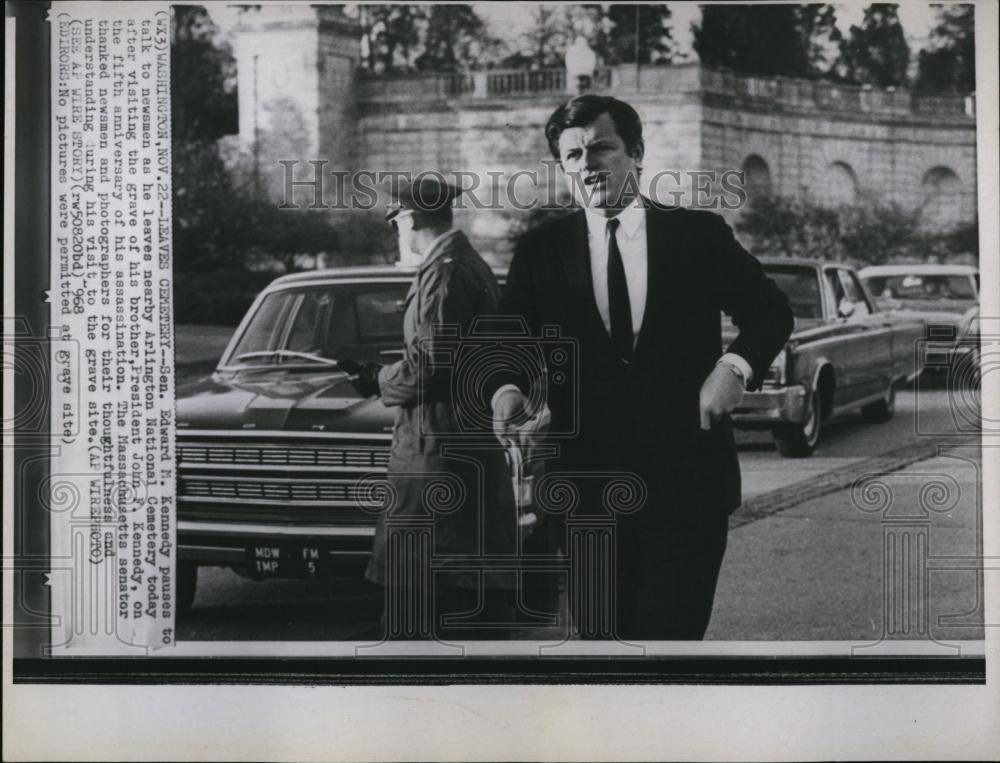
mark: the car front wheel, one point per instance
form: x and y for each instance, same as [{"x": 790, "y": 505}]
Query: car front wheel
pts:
[{"x": 799, "y": 440}]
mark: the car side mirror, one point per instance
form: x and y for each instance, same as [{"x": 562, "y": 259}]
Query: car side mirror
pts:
[{"x": 846, "y": 308}]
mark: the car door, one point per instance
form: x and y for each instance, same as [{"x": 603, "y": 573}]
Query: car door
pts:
[{"x": 871, "y": 339}]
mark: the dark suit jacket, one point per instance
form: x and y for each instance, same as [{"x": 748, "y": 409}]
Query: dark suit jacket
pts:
[{"x": 643, "y": 417}]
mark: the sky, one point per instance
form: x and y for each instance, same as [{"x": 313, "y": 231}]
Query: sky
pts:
[{"x": 508, "y": 20}]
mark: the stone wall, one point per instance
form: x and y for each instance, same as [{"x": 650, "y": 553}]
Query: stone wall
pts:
[
  {"x": 832, "y": 156},
  {"x": 296, "y": 71},
  {"x": 891, "y": 157},
  {"x": 832, "y": 143}
]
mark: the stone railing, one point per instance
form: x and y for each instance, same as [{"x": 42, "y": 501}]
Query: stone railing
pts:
[
  {"x": 415, "y": 87},
  {"x": 514, "y": 82},
  {"x": 780, "y": 92},
  {"x": 493, "y": 83},
  {"x": 806, "y": 95}
]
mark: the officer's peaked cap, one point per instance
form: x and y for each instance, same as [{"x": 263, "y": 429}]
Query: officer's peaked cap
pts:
[{"x": 427, "y": 192}]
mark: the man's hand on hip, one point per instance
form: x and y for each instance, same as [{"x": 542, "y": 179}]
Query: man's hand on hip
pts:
[
  {"x": 720, "y": 394},
  {"x": 508, "y": 412}
]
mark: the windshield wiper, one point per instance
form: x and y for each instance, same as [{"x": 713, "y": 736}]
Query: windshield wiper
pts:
[{"x": 286, "y": 354}]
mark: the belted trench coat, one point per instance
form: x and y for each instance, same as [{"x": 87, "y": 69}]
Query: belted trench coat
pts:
[{"x": 447, "y": 472}]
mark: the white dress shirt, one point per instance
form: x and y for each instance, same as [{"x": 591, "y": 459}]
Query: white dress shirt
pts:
[{"x": 631, "y": 237}]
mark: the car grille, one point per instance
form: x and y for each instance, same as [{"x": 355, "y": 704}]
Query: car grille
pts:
[
  {"x": 258, "y": 489},
  {"x": 289, "y": 455},
  {"x": 319, "y": 481}
]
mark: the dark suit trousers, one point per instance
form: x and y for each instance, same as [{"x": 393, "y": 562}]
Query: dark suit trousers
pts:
[
  {"x": 665, "y": 583},
  {"x": 667, "y": 576}
]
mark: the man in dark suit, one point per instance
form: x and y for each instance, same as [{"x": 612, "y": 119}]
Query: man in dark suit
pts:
[{"x": 640, "y": 288}]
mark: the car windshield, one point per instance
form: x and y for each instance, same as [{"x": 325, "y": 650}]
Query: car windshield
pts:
[
  {"x": 316, "y": 325},
  {"x": 801, "y": 286},
  {"x": 922, "y": 287}
]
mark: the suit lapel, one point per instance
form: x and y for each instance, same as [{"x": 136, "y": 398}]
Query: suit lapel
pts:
[
  {"x": 656, "y": 265},
  {"x": 665, "y": 243},
  {"x": 575, "y": 258}
]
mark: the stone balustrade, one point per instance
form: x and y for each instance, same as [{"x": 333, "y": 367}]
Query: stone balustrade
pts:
[
  {"x": 492, "y": 83},
  {"x": 782, "y": 93},
  {"x": 807, "y": 95}
]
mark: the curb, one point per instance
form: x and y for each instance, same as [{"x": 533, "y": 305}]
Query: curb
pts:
[{"x": 774, "y": 501}]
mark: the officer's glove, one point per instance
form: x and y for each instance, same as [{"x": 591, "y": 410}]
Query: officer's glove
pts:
[{"x": 362, "y": 374}]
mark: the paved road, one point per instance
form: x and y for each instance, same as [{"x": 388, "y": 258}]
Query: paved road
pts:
[
  {"x": 836, "y": 567},
  {"x": 940, "y": 416},
  {"x": 770, "y": 560}
]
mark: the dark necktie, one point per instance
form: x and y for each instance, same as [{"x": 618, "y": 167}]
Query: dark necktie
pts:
[{"x": 618, "y": 304}]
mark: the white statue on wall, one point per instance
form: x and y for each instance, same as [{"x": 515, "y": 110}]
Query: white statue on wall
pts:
[{"x": 581, "y": 62}]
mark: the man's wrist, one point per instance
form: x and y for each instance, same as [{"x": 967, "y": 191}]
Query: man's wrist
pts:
[
  {"x": 502, "y": 391},
  {"x": 738, "y": 365}
]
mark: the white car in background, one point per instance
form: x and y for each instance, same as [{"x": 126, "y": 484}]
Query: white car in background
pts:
[{"x": 945, "y": 297}]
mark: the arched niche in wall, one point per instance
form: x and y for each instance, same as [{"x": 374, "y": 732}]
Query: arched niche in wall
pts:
[
  {"x": 838, "y": 186},
  {"x": 941, "y": 202},
  {"x": 756, "y": 176}
]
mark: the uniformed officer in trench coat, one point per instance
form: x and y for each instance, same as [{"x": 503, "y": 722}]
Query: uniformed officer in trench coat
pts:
[{"x": 445, "y": 468}]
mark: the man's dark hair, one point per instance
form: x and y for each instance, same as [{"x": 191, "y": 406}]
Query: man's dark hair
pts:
[{"x": 584, "y": 109}]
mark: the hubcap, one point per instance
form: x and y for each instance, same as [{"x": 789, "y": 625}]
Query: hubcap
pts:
[{"x": 811, "y": 427}]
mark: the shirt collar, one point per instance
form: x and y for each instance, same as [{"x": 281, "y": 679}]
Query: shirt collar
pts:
[{"x": 630, "y": 218}]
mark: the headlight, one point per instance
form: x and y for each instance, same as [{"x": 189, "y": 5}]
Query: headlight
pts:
[{"x": 777, "y": 372}]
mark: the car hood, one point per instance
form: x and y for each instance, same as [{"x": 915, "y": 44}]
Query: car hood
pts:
[{"x": 280, "y": 400}]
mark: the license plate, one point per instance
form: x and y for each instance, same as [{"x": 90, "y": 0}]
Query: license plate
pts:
[{"x": 287, "y": 560}]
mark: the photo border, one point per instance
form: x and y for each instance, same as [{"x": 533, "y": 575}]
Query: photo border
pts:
[{"x": 951, "y": 722}]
